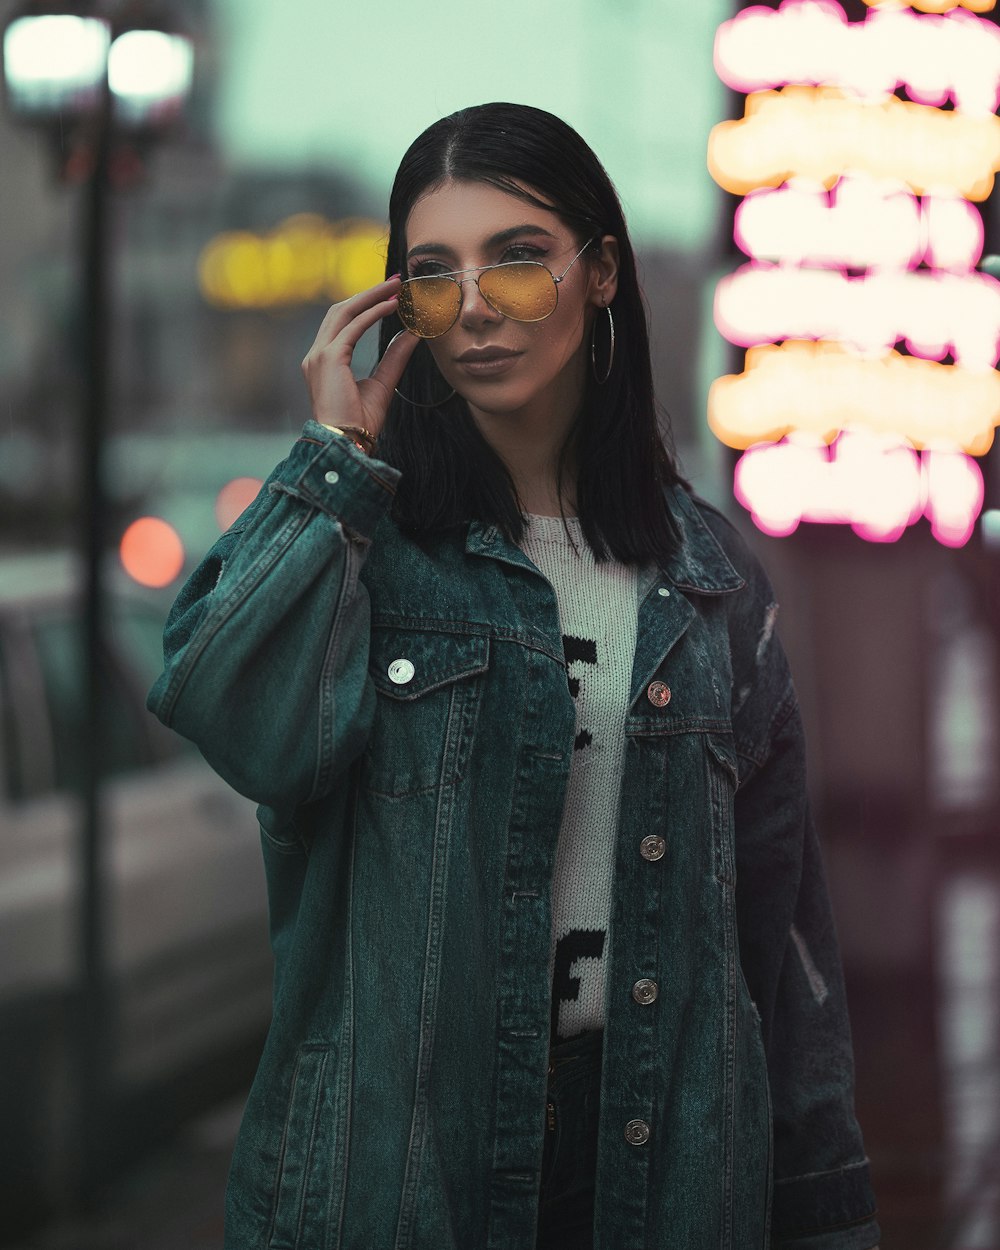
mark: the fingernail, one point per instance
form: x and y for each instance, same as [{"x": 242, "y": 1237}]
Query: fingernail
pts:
[{"x": 392, "y": 275}]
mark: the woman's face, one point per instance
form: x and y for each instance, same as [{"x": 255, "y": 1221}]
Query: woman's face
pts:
[{"x": 499, "y": 365}]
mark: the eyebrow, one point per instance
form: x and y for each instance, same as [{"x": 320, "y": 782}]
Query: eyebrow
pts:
[{"x": 495, "y": 240}]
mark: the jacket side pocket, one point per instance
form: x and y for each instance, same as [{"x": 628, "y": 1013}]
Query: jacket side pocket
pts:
[
  {"x": 723, "y": 781},
  {"x": 302, "y": 1183}
]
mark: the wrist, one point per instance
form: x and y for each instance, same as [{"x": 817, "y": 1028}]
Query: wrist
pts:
[{"x": 363, "y": 439}]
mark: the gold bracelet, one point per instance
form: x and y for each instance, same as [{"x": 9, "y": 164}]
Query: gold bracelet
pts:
[{"x": 359, "y": 436}]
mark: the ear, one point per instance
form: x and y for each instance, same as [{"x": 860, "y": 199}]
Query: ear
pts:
[{"x": 604, "y": 272}]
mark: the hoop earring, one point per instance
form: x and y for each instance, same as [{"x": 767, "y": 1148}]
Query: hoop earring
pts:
[
  {"x": 611, "y": 348},
  {"x": 412, "y": 402}
]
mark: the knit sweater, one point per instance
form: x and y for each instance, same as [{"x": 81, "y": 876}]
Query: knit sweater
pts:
[{"x": 598, "y": 613}]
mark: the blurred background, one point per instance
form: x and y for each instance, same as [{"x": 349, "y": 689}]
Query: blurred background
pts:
[{"x": 169, "y": 241}]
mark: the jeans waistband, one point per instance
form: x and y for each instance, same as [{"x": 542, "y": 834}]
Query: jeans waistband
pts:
[{"x": 584, "y": 1046}]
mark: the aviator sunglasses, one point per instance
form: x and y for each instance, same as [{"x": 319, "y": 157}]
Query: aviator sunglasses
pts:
[{"x": 524, "y": 290}]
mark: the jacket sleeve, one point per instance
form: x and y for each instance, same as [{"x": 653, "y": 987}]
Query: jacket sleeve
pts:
[
  {"x": 790, "y": 958},
  {"x": 266, "y": 647}
]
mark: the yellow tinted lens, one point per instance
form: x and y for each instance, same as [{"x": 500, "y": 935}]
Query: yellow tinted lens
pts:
[
  {"x": 524, "y": 291},
  {"x": 429, "y": 306}
]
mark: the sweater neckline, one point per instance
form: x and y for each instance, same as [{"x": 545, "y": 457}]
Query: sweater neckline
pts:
[{"x": 553, "y": 528}]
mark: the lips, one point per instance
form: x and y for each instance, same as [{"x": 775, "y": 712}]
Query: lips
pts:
[
  {"x": 486, "y": 363},
  {"x": 483, "y": 355}
]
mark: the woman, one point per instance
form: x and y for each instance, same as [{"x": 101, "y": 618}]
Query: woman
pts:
[{"x": 552, "y": 944}]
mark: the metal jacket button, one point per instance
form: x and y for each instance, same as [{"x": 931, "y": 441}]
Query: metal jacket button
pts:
[
  {"x": 401, "y": 671},
  {"x": 653, "y": 847},
  {"x": 645, "y": 991},
  {"x": 637, "y": 1132},
  {"x": 658, "y": 693}
]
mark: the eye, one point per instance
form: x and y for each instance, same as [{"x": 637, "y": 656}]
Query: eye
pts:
[
  {"x": 428, "y": 268},
  {"x": 522, "y": 251}
]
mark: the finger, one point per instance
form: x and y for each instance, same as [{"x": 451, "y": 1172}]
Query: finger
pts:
[
  {"x": 340, "y": 315},
  {"x": 394, "y": 360},
  {"x": 351, "y": 334}
]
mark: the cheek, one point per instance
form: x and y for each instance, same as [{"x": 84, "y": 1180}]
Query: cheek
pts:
[{"x": 569, "y": 336}]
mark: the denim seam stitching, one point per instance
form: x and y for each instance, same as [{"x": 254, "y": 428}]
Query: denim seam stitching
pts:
[{"x": 220, "y": 611}]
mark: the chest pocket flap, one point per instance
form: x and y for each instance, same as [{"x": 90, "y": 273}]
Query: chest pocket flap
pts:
[
  {"x": 406, "y": 664},
  {"x": 428, "y": 689}
]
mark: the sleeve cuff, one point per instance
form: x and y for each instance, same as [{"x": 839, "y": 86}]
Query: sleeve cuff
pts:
[
  {"x": 831, "y": 1210},
  {"x": 863, "y": 1236},
  {"x": 329, "y": 472}
]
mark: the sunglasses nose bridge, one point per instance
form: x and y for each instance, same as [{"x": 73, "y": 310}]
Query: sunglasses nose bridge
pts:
[{"x": 474, "y": 302}]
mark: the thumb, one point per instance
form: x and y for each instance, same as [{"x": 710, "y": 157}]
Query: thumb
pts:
[{"x": 394, "y": 360}]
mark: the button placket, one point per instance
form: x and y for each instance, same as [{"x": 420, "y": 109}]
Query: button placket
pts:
[
  {"x": 637, "y": 1132},
  {"x": 645, "y": 991},
  {"x": 653, "y": 847}
]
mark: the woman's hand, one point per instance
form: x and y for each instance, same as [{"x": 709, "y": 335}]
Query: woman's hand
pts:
[{"x": 338, "y": 398}]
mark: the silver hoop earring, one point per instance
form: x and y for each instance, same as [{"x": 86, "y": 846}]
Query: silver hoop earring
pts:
[
  {"x": 611, "y": 348},
  {"x": 412, "y": 402}
]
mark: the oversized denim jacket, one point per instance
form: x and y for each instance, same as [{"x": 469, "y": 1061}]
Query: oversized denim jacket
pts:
[{"x": 409, "y": 830}]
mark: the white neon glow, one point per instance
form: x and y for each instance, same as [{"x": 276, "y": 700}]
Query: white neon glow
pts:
[
  {"x": 811, "y": 41},
  {"x": 859, "y": 224},
  {"x": 955, "y": 493},
  {"x": 877, "y": 486},
  {"x": 932, "y": 313},
  {"x": 148, "y": 68},
  {"x": 820, "y": 389},
  {"x": 820, "y": 133},
  {"x": 51, "y": 58}
]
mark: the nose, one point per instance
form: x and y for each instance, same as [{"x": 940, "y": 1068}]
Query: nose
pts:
[{"x": 475, "y": 311}]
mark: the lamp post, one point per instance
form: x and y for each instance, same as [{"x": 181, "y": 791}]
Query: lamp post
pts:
[{"x": 104, "y": 82}]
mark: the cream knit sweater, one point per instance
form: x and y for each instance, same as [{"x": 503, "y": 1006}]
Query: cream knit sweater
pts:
[{"x": 598, "y": 613}]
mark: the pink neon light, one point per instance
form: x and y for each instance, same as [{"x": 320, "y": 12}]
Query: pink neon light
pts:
[
  {"x": 933, "y": 313},
  {"x": 954, "y": 496},
  {"x": 812, "y": 42},
  {"x": 859, "y": 225},
  {"x": 877, "y": 486}
]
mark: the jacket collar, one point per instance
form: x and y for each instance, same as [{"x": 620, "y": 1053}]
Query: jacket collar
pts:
[{"x": 699, "y": 564}]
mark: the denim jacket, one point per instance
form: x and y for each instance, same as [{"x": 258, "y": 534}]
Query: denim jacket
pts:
[{"x": 409, "y": 815}]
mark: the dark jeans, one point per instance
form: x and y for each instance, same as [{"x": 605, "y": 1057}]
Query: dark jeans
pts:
[{"x": 569, "y": 1163}]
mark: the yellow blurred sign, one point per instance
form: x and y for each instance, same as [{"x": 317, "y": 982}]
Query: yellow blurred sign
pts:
[{"x": 304, "y": 260}]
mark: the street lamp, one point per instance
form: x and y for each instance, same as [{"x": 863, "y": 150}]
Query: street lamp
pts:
[
  {"x": 69, "y": 67},
  {"x": 104, "y": 81}
]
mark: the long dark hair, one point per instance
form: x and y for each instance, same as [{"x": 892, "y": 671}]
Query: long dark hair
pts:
[{"x": 451, "y": 475}]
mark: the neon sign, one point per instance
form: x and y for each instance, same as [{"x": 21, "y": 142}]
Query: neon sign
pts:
[
  {"x": 938, "y": 58},
  {"x": 933, "y": 313},
  {"x": 821, "y": 133},
  {"x": 877, "y": 486},
  {"x": 820, "y": 388},
  {"x": 934, "y": 6},
  {"x": 862, "y": 235},
  {"x": 859, "y": 225}
]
